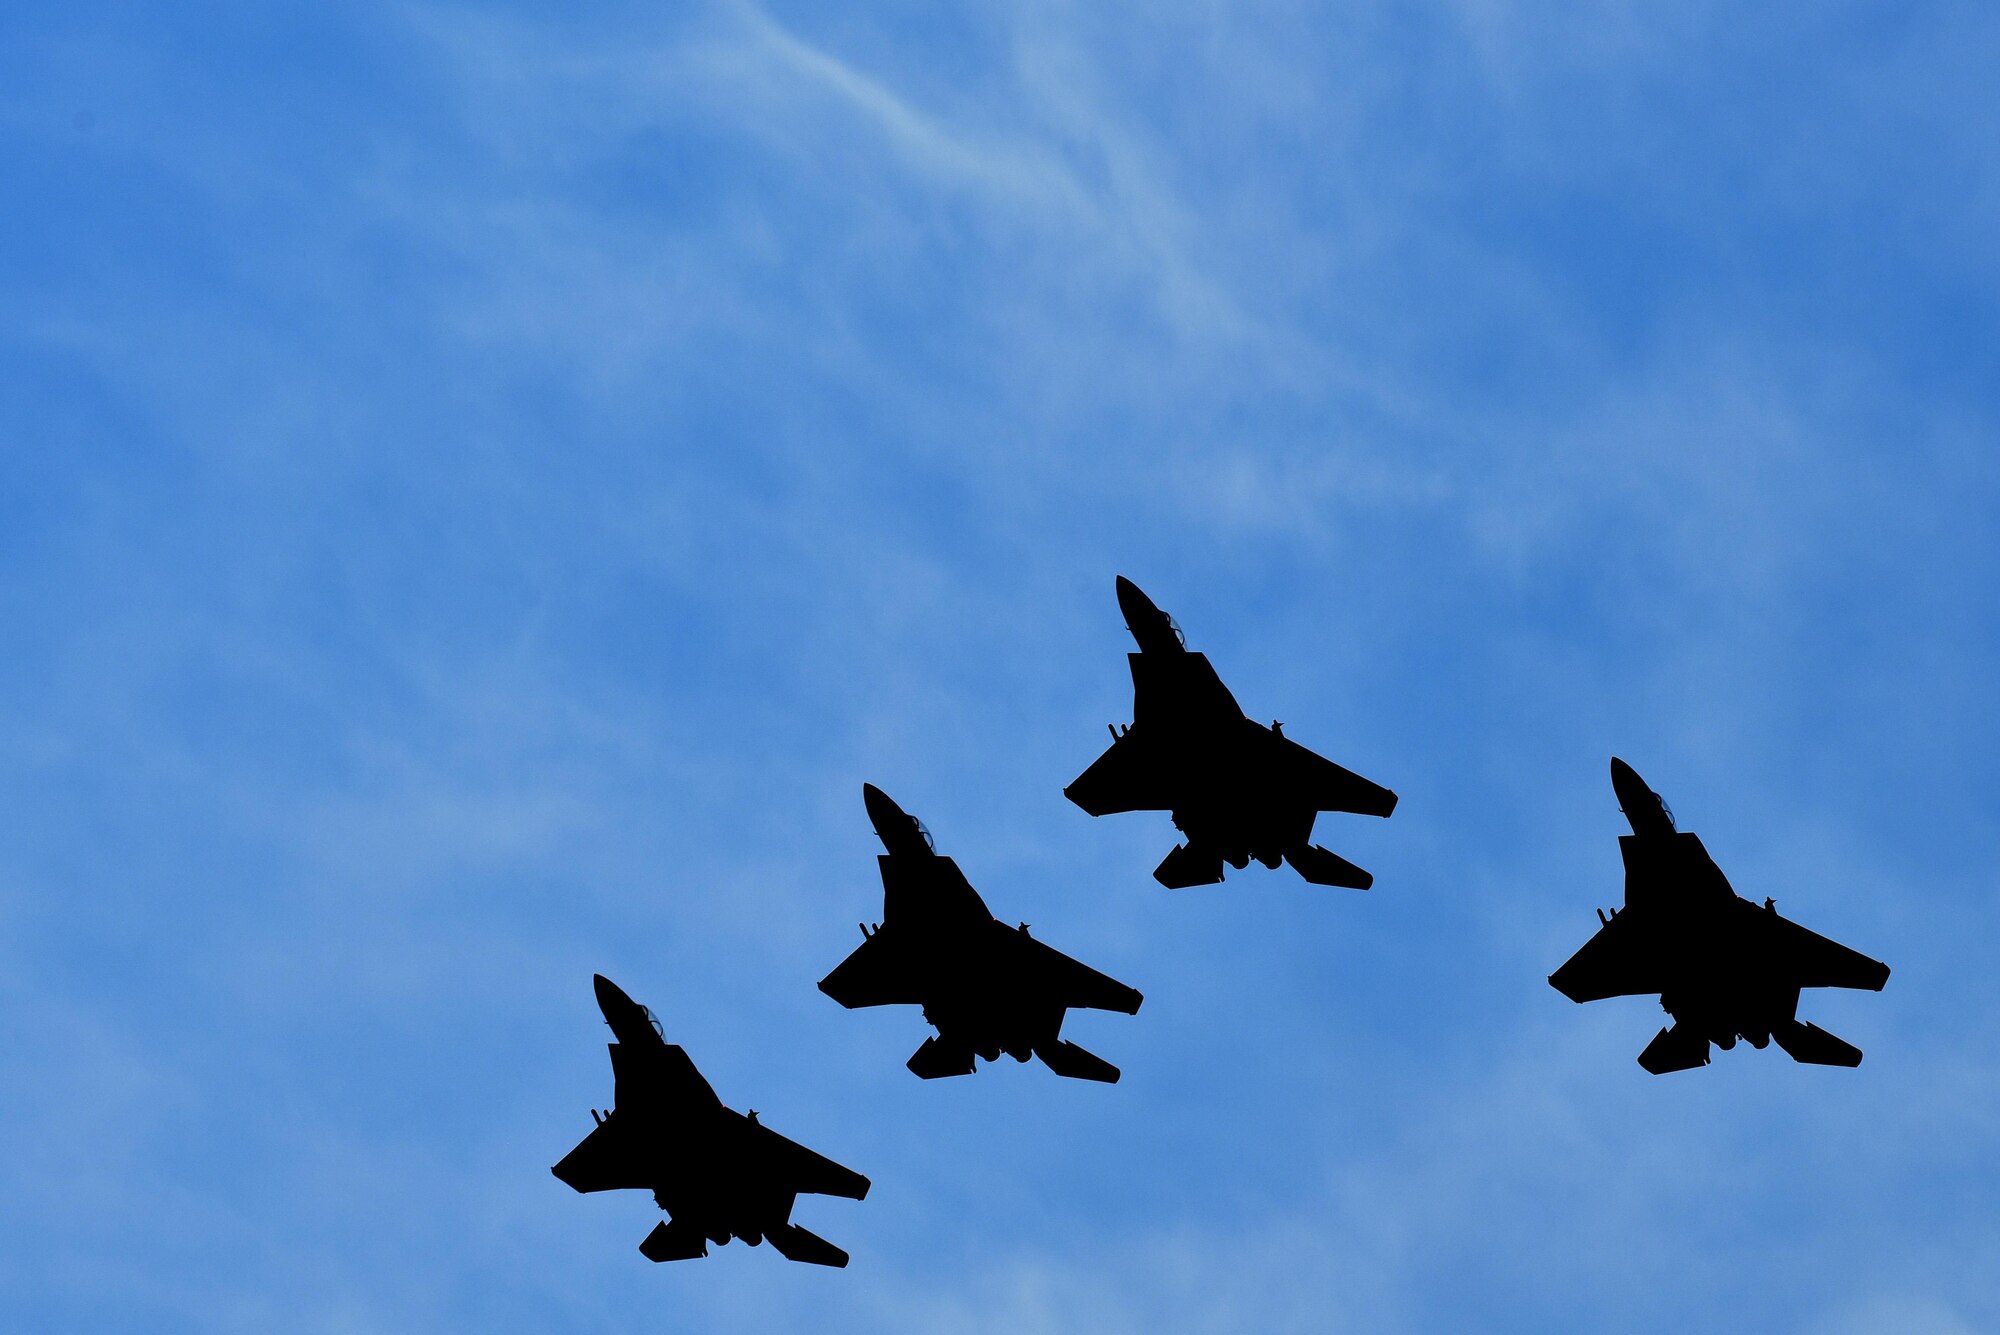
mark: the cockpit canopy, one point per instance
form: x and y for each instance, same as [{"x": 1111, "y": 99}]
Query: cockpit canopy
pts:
[{"x": 1165, "y": 617}]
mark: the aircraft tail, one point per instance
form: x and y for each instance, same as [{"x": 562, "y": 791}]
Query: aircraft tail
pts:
[
  {"x": 1811, "y": 1044},
  {"x": 1184, "y": 867},
  {"x": 674, "y": 1241},
  {"x": 796, "y": 1244},
  {"x": 1675, "y": 1049},
  {"x": 1321, "y": 867},
  {"x": 935, "y": 1059},
  {"x": 1066, "y": 1058}
]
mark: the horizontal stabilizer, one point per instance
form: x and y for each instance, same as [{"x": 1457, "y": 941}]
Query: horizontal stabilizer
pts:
[
  {"x": 1674, "y": 1049},
  {"x": 1184, "y": 867},
  {"x": 674, "y": 1241},
  {"x": 796, "y": 1244},
  {"x": 934, "y": 1059},
  {"x": 1321, "y": 867},
  {"x": 1066, "y": 1058},
  {"x": 1811, "y": 1044}
]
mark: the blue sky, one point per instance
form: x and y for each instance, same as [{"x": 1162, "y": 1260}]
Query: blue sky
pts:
[{"x": 486, "y": 485}]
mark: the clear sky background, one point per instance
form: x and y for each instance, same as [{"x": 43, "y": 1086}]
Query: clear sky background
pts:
[{"x": 486, "y": 484}]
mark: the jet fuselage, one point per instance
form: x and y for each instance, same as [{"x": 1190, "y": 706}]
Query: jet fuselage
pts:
[
  {"x": 718, "y": 1188},
  {"x": 1717, "y": 970},
  {"x": 981, "y": 1001},
  {"x": 1237, "y": 814}
]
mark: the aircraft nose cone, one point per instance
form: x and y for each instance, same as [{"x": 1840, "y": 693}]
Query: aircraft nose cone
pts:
[
  {"x": 882, "y": 813},
  {"x": 1625, "y": 782},
  {"x": 1132, "y": 602},
  {"x": 1641, "y": 805},
  {"x": 899, "y": 831},
  {"x": 610, "y": 996}
]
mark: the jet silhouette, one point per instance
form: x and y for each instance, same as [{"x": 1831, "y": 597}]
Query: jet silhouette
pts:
[
  {"x": 718, "y": 1174},
  {"x": 985, "y": 987},
  {"x": 1237, "y": 789},
  {"x": 1723, "y": 967}
]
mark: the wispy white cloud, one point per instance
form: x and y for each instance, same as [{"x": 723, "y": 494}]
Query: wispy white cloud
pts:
[{"x": 1544, "y": 1183}]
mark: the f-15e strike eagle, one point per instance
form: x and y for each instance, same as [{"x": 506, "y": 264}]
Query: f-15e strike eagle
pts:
[
  {"x": 986, "y": 987},
  {"x": 1723, "y": 967},
  {"x": 1237, "y": 789},
  {"x": 719, "y": 1174}
]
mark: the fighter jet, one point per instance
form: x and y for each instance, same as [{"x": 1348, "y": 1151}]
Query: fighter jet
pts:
[
  {"x": 1723, "y": 967},
  {"x": 1237, "y": 789},
  {"x": 719, "y": 1174},
  {"x": 985, "y": 987}
]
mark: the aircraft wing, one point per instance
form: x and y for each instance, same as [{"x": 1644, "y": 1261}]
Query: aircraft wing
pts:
[
  {"x": 1070, "y": 983},
  {"x": 794, "y": 1168},
  {"x": 1133, "y": 775},
  {"x": 608, "y": 1159},
  {"x": 1323, "y": 785},
  {"x": 1811, "y": 960},
  {"x": 878, "y": 973},
  {"x": 1622, "y": 960}
]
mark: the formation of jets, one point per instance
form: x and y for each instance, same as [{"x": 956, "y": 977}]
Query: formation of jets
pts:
[{"x": 1723, "y": 967}]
